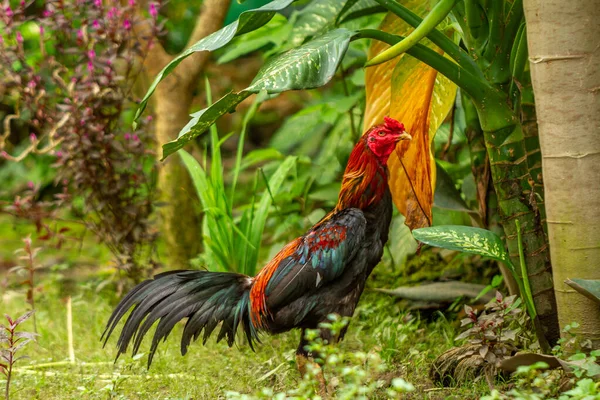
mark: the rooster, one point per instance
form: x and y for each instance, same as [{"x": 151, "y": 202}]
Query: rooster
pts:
[{"x": 321, "y": 273}]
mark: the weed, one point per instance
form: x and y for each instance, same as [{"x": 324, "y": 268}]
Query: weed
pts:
[{"x": 12, "y": 342}]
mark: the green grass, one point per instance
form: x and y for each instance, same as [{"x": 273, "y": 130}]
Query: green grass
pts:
[{"x": 406, "y": 347}]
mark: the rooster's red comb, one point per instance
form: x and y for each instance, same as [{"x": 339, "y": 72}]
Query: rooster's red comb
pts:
[{"x": 392, "y": 124}]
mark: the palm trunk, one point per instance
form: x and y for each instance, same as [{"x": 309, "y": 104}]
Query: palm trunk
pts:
[
  {"x": 480, "y": 166},
  {"x": 563, "y": 44},
  {"x": 517, "y": 201}
]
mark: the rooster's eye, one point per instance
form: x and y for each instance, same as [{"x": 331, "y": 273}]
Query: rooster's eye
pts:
[{"x": 381, "y": 133}]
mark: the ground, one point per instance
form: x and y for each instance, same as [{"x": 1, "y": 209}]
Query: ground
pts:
[
  {"x": 407, "y": 346},
  {"x": 407, "y": 343}
]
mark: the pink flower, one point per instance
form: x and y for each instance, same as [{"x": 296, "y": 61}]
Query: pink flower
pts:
[
  {"x": 98, "y": 3},
  {"x": 59, "y": 154},
  {"x": 96, "y": 24},
  {"x": 127, "y": 136},
  {"x": 132, "y": 3},
  {"x": 135, "y": 137},
  {"x": 46, "y": 13},
  {"x": 3, "y": 154},
  {"x": 31, "y": 84},
  {"x": 41, "y": 31},
  {"x": 149, "y": 118},
  {"x": 113, "y": 12},
  {"x": 19, "y": 37},
  {"x": 79, "y": 34},
  {"x": 90, "y": 66},
  {"x": 8, "y": 11},
  {"x": 91, "y": 55},
  {"x": 153, "y": 11},
  {"x": 126, "y": 24},
  {"x": 32, "y": 137},
  {"x": 22, "y": 3},
  {"x": 30, "y": 185}
]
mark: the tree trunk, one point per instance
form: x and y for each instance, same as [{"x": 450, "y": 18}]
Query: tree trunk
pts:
[
  {"x": 564, "y": 43},
  {"x": 172, "y": 102}
]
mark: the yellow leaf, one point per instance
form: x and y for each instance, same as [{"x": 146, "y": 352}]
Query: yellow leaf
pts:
[{"x": 419, "y": 97}]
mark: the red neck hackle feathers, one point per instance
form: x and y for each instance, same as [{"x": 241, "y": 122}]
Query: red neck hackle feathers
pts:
[{"x": 365, "y": 178}]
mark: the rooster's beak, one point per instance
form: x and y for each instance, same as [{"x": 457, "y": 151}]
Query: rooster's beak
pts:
[{"x": 404, "y": 136}]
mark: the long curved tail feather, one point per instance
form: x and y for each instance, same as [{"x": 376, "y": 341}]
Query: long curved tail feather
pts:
[{"x": 204, "y": 298}]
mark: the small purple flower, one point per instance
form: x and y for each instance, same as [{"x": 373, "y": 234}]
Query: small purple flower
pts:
[
  {"x": 135, "y": 138},
  {"x": 91, "y": 55},
  {"x": 149, "y": 118},
  {"x": 22, "y": 3},
  {"x": 98, "y": 3},
  {"x": 96, "y": 24},
  {"x": 126, "y": 24},
  {"x": 41, "y": 31},
  {"x": 31, "y": 84},
  {"x": 90, "y": 66},
  {"x": 9, "y": 12},
  {"x": 33, "y": 137},
  {"x": 47, "y": 13},
  {"x": 127, "y": 136},
  {"x": 79, "y": 34},
  {"x": 153, "y": 11},
  {"x": 82, "y": 123},
  {"x": 59, "y": 154},
  {"x": 30, "y": 185},
  {"x": 132, "y": 3},
  {"x": 19, "y": 37}
]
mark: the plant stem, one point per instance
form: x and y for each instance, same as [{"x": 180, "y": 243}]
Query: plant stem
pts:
[
  {"x": 475, "y": 86},
  {"x": 437, "y": 37},
  {"x": 429, "y": 23},
  {"x": 526, "y": 286},
  {"x": 11, "y": 355},
  {"x": 31, "y": 281},
  {"x": 351, "y": 110}
]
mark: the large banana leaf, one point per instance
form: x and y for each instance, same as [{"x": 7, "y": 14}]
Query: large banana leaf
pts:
[{"x": 420, "y": 97}]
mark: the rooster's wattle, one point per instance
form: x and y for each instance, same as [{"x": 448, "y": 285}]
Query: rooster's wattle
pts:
[{"x": 320, "y": 273}]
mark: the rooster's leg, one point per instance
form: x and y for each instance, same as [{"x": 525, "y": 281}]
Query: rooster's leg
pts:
[
  {"x": 302, "y": 355},
  {"x": 302, "y": 361}
]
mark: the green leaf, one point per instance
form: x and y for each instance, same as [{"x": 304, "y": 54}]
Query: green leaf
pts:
[
  {"x": 272, "y": 34},
  {"x": 446, "y": 195},
  {"x": 260, "y": 216},
  {"x": 590, "y": 288},
  {"x": 247, "y": 22},
  {"x": 306, "y": 67},
  {"x": 466, "y": 239},
  {"x": 314, "y": 18},
  {"x": 358, "y": 8}
]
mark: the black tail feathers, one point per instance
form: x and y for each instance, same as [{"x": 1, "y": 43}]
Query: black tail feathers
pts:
[{"x": 205, "y": 298}]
